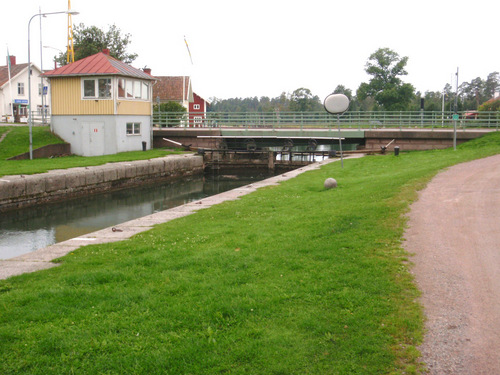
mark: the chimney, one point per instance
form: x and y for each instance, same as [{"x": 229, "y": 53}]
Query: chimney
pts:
[
  {"x": 106, "y": 51},
  {"x": 12, "y": 60},
  {"x": 147, "y": 70}
]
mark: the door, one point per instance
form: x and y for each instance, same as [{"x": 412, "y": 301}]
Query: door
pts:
[{"x": 93, "y": 138}]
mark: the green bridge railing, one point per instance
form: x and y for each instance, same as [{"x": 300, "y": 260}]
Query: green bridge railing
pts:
[{"x": 313, "y": 120}]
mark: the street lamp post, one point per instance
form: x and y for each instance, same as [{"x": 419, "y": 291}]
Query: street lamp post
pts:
[
  {"x": 55, "y": 59},
  {"x": 30, "y": 119}
]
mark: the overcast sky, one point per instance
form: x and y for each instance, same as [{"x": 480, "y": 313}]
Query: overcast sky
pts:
[{"x": 263, "y": 48}]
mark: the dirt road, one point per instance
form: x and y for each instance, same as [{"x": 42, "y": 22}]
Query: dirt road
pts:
[{"x": 454, "y": 232}]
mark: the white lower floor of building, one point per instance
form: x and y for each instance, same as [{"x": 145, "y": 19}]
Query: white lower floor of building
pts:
[{"x": 103, "y": 135}]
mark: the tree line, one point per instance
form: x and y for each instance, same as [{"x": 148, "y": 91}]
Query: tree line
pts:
[{"x": 385, "y": 91}]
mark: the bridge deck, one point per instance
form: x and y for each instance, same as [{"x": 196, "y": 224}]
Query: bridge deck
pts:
[
  {"x": 406, "y": 139},
  {"x": 263, "y": 137}
]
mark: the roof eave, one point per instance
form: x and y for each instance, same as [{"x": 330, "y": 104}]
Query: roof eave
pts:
[{"x": 95, "y": 74}]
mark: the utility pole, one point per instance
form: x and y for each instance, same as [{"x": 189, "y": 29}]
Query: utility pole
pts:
[{"x": 455, "y": 116}]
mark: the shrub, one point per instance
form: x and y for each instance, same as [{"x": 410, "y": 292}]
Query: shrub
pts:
[{"x": 491, "y": 105}]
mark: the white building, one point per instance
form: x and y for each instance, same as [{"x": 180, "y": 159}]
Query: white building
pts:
[{"x": 14, "y": 92}]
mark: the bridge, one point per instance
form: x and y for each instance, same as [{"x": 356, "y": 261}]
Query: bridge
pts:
[{"x": 368, "y": 131}]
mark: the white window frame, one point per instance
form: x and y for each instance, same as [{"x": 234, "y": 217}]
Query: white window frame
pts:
[
  {"x": 196, "y": 106},
  {"x": 135, "y": 128},
  {"x": 134, "y": 89},
  {"x": 20, "y": 88},
  {"x": 96, "y": 88}
]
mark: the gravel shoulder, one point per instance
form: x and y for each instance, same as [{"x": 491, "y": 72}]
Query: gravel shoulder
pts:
[{"x": 454, "y": 234}]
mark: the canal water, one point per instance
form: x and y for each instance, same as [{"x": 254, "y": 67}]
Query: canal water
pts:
[{"x": 29, "y": 229}]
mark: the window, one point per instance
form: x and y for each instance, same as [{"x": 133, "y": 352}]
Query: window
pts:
[
  {"x": 130, "y": 89},
  {"x": 89, "y": 88},
  {"x": 196, "y": 106},
  {"x": 104, "y": 85},
  {"x": 133, "y": 89},
  {"x": 121, "y": 88},
  {"x": 137, "y": 89},
  {"x": 145, "y": 91},
  {"x": 99, "y": 88},
  {"x": 40, "y": 89},
  {"x": 133, "y": 128},
  {"x": 198, "y": 119},
  {"x": 20, "y": 88}
]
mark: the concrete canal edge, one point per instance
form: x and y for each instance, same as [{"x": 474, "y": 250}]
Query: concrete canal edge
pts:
[
  {"x": 42, "y": 258},
  {"x": 29, "y": 190}
]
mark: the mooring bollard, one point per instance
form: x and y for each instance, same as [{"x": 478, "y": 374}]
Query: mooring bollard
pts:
[{"x": 396, "y": 150}]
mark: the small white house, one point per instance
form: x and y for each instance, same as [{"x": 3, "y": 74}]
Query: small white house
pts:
[
  {"x": 14, "y": 91},
  {"x": 101, "y": 105}
]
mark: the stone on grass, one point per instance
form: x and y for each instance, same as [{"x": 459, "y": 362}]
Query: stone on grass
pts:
[{"x": 330, "y": 183}]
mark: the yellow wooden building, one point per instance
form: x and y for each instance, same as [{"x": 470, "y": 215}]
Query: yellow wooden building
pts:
[{"x": 101, "y": 105}]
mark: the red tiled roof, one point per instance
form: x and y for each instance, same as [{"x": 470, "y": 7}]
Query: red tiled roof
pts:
[
  {"x": 98, "y": 64},
  {"x": 14, "y": 71},
  {"x": 170, "y": 88}
]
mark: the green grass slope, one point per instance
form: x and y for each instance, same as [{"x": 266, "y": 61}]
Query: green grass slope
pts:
[
  {"x": 291, "y": 279},
  {"x": 17, "y": 142}
]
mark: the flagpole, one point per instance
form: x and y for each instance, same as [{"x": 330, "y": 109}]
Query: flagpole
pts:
[
  {"x": 10, "y": 83},
  {"x": 41, "y": 67},
  {"x": 189, "y": 81}
]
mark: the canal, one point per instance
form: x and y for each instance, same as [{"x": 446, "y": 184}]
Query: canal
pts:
[{"x": 29, "y": 229}]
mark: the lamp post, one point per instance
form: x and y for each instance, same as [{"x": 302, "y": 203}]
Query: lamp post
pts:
[
  {"x": 30, "y": 119},
  {"x": 455, "y": 116},
  {"x": 57, "y": 49}
]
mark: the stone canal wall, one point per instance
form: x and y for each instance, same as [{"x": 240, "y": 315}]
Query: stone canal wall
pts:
[{"x": 28, "y": 190}]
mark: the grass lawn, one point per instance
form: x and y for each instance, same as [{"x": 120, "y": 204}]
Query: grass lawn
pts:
[
  {"x": 291, "y": 279},
  {"x": 17, "y": 142}
]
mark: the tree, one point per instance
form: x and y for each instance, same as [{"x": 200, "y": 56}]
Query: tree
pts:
[
  {"x": 175, "y": 112},
  {"x": 433, "y": 101},
  {"x": 341, "y": 89},
  {"x": 281, "y": 103},
  {"x": 492, "y": 85},
  {"x": 88, "y": 41},
  {"x": 471, "y": 93},
  {"x": 477, "y": 91},
  {"x": 302, "y": 100},
  {"x": 385, "y": 66},
  {"x": 449, "y": 97}
]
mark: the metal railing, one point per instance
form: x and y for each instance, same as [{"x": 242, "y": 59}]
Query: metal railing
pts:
[
  {"x": 315, "y": 120},
  {"x": 39, "y": 119}
]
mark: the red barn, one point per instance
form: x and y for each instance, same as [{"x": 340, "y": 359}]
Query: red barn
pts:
[{"x": 197, "y": 111}]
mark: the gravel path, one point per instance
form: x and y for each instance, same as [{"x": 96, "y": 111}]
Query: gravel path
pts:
[{"x": 454, "y": 234}]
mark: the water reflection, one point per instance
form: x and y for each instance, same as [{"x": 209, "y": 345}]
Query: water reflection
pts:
[{"x": 26, "y": 230}]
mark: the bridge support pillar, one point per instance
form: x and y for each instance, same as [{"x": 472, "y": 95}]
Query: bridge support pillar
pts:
[{"x": 270, "y": 164}]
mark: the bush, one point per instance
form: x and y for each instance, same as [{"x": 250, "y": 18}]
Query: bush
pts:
[
  {"x": 491, "y": 105},
  {"x": 173, "y": 113}
]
